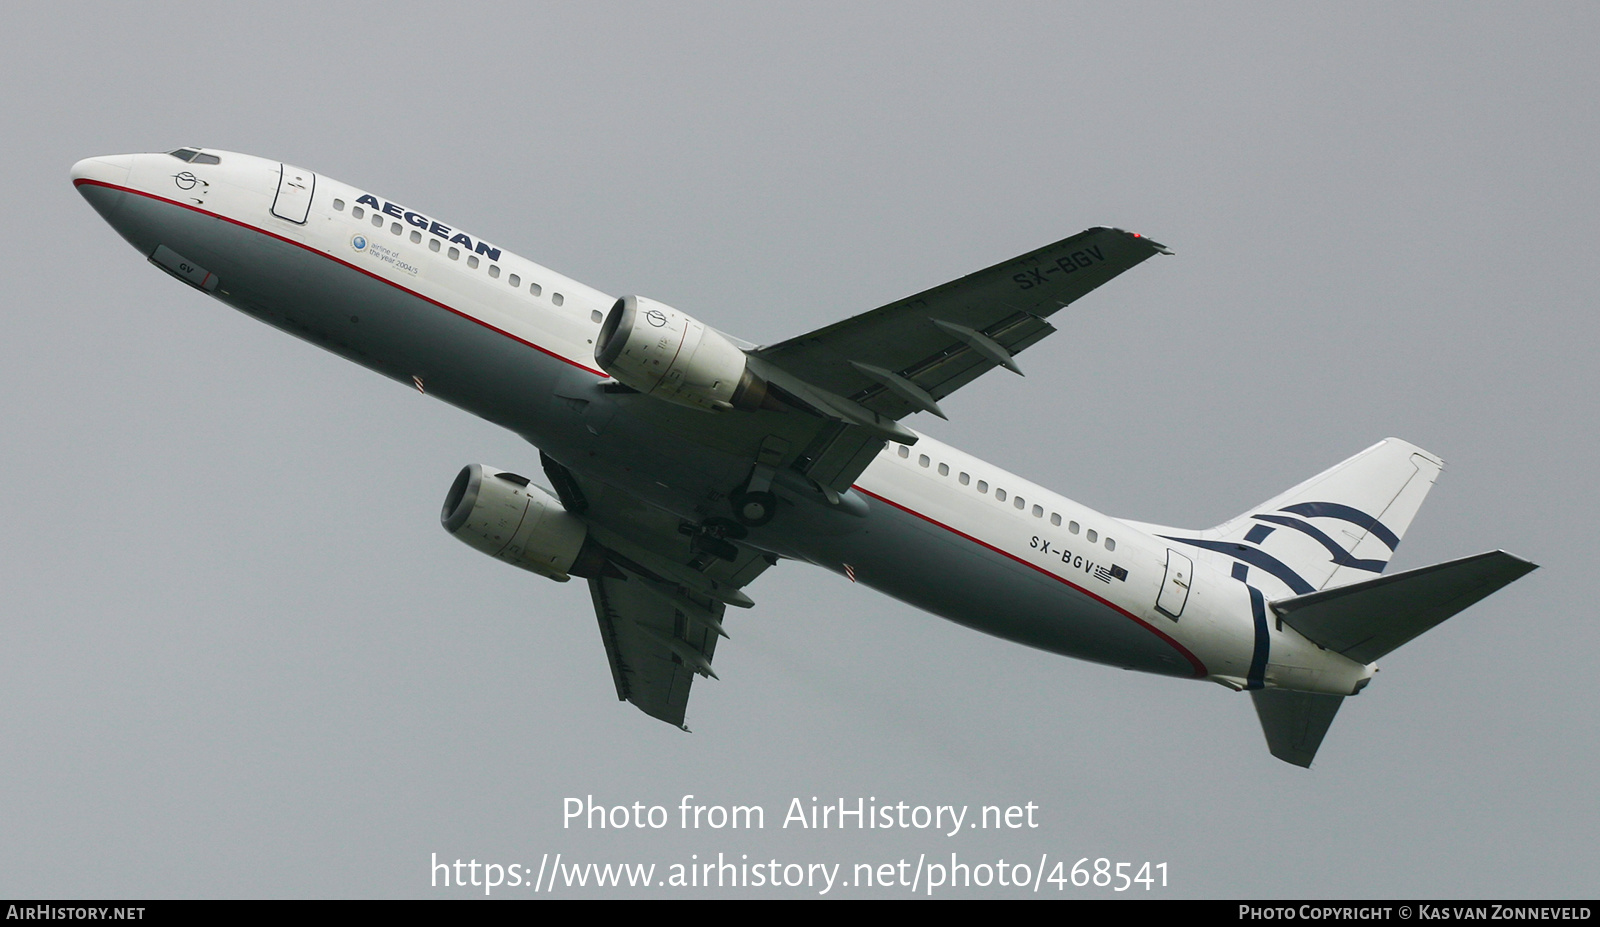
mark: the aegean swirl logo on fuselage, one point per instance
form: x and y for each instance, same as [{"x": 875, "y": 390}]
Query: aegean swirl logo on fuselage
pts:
[{"x": 358, "y": 242}]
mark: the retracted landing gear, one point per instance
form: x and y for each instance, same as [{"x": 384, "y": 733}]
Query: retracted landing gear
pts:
[
  {"x": 754, "y": 503},
  {"x": 754, "y": 507}
]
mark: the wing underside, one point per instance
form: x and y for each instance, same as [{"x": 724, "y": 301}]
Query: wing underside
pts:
[
  {"x": 662, "y": 596},
  {"x": 654, "y": 651}
]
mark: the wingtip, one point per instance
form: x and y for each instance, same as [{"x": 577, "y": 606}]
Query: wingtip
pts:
[{"x": 1158, "y": 246}]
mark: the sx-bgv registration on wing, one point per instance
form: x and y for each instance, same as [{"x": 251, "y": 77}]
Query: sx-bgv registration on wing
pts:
[{"x": 682, "y": 462}]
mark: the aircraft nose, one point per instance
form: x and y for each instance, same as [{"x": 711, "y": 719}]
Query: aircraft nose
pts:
[
  {"x": 105, "y": 169},
  {"x": 102, "y": 181}
]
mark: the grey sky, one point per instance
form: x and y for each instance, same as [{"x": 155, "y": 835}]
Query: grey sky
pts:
[{"x": 240, "y": 658}]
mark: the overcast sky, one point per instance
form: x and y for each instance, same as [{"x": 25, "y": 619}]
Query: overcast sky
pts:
[{"x": 240, "y": 658}]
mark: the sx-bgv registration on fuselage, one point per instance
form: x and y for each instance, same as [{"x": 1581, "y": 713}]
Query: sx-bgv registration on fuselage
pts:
[{"x": 683, "y": 462}]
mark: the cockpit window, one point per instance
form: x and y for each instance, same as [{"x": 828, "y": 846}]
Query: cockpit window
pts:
[{"x": 195, "y": 157}]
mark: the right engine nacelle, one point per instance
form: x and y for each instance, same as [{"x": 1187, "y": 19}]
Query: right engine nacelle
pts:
[
  {"x": 662, "y": 352},
  {"x": 507, "y": 517}
]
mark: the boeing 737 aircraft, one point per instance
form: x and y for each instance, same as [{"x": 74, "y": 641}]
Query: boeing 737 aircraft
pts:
[{"x": 684, "y": 462}]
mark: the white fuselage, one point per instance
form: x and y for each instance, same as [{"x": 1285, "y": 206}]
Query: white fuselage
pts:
[{"x": 467, "y": 321}]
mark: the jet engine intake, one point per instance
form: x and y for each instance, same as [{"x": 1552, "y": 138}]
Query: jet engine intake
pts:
[
  {"x": 662, "y": 352},
  {"x": 510, "y": 519}
]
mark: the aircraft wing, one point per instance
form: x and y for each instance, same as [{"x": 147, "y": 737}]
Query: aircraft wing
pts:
[
  {"x": 855, "y": 379},
  {"x": 904, "y": 357},
  {"x": 661, "y": 600}
]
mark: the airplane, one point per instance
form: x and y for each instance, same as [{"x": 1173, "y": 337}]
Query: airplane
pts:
[{"x": 682, "y": 462}]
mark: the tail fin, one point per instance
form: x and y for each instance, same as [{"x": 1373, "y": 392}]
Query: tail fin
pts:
[
  {"x": 1339, "y": 527},
  {"x": 1316, "y": 552}
]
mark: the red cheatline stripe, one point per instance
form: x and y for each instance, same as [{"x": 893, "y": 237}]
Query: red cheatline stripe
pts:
[
  {"x": 1199, "y": 668},
  {"x": 303, "y": 246}
]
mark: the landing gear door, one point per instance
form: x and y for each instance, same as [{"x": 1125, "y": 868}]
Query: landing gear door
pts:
[
  {"x": 295, "y": 187},
  {"x": 1175, "y": 586}
]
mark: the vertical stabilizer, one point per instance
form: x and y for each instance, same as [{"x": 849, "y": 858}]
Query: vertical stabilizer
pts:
[
  {"x": 1341, "y": 526},
  {"x": 1295, "y": 722}
]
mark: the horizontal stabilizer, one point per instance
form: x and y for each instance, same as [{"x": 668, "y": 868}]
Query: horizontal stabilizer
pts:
[
  {"x": 1366, "y": 620},
  {"x": 1295, "y": 722}
]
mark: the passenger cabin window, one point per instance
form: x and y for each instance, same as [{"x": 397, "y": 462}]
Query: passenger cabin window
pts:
[
  {"x": 1017, "y": 501},
  {"x": 472, "y": 261},
  {"x": 903, "y": 450},
  {"x": 535, "y": 289},
  {"x": 556, "y": 298},
  {"x": 964, "y": 479},
  {"x": 433, "y": 245},
  {"x": 494, "y": 271},
  {"x": 1038, "y": 511},
  {"x": 338, "y": 205},
  {"x": 377, "y": 220},
  {"x": 944, "y": 469},
  {"x": 982, "y": 486},
  {"x": 514, "y": 280},
  {"x": 357, "y": 212},
  {"x": 455, "y": 253},
  {"x": 1073, "y": 527},
  {"x": 1110, "y": 544},
  {"x": 1092, "y": 535},
  {"x": 922, "y": 460},
  {"x": 1055, "y": 519},
  {"x": 395, "y": 229},
  {"x": 1000, "y": 494},
  {"x": 416, "y": 237}
]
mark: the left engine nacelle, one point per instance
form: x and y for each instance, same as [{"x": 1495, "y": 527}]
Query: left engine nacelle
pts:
[
  {"x": 662, "y": 352},
  {"x": 510, "y": 519}
]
